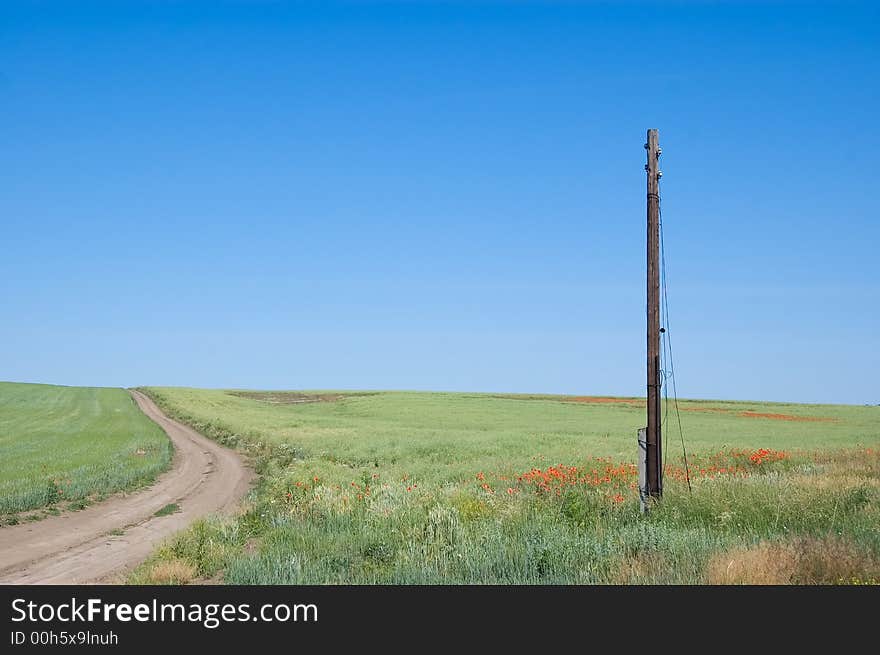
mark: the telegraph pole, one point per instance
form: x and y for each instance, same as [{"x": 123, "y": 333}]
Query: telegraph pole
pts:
[{"x": 652, "y": 486}]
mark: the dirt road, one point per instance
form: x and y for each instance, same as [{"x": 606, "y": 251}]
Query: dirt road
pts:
[{"x": 102, "y": 542}]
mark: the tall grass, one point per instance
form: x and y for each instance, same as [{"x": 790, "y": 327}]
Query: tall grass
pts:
[{"x": 425, "y": 489}]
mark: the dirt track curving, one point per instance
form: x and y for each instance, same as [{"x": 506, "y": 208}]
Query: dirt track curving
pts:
[{"x": 102, "y": 542}]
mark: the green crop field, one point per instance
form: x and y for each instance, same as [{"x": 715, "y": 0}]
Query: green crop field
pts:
[
  {"x": 67, "y": 445},
  {"x": 403, "y": 488}
]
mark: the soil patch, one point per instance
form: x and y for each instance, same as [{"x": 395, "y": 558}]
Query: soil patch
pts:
[
  {"x": 632, "y": 402},
  {"x": 714, "y": 410},
  {"x": 785, "y": 417},
  {"x": 295, "y": 397}
]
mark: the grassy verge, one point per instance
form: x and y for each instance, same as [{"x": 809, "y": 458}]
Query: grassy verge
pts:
[
  {"x": 63, "y": 447},
  {"x": 453, "y": 488}
]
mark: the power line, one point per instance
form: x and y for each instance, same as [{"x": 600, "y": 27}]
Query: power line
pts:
[{"x": 667, "y": 347}]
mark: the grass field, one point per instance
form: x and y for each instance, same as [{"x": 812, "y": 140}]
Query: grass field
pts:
[
  {"x": 64, "y": 446},
  {"x": 464, "y": 488}
]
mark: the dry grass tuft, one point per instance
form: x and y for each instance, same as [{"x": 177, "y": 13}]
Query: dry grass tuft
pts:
[
  {"x": 805, "y": 560},
  {"x": 642, "y": 568},
  {"x": 174, "y": 571}
]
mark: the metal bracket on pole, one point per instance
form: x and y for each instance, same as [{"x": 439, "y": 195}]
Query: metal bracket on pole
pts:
[{"x": 643, "y": 470}]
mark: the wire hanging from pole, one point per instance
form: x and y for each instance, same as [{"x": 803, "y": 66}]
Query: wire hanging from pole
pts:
[{"x": 667, "y": 347}]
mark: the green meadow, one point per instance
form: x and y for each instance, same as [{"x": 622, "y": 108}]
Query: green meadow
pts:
[
  {"x": 65, "y": 446},
  {"x": 427, "y": 488}
]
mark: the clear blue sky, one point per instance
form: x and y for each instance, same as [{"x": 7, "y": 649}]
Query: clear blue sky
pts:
[{"x": 444, "y": 196}]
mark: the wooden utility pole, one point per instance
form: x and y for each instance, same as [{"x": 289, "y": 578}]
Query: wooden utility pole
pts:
[{"x": 653, "y": 468}]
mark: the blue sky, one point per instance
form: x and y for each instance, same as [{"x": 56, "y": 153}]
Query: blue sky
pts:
[{"x": 444, "y": 196}]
